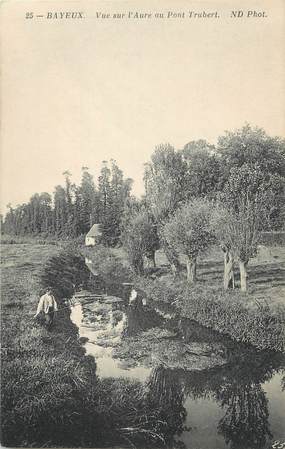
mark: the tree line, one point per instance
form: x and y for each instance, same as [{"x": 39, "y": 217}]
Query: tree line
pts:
[
  {"x": 204, "y": 194},
  {"x": 194, "y": 197},
  {"x": 72, "y": 209}
]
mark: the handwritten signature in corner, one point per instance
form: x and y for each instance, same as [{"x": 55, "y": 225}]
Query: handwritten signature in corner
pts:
[{"x": 278, "y": 445}]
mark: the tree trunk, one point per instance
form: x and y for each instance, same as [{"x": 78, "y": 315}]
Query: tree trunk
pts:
[
  {"x": 153, "y": 259},
  {"x": 150, "y": 257},
  {"x": 174, "y": 269},
  {"x": 229, "y": 278},
  {"x": 243, "y": 275},
  {"x": 172, "y": 258},
  {"x": 138, "y": 266},
  {"x": 191, "y": 264}
]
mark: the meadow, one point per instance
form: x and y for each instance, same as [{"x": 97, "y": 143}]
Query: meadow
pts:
[
  {"x": 255, "y": 317},
  {"x": 266, "y": 273},
  {"x": 50, "y": 393}
]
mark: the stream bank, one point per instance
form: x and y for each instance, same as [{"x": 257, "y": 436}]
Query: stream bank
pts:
[{"x": 187, "y": 371}]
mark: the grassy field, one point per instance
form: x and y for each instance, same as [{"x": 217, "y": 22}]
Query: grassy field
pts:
[
  {"x": 266, "y": 272},
  {"x": 41, "y": 370},
  {"x": 50, "y": 394},
  {"x": 7, "y": 239},
  {"x": 255, "y": 317}
]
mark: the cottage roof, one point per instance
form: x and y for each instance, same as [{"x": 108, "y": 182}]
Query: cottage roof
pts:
[{"x": 94, "y": 231}]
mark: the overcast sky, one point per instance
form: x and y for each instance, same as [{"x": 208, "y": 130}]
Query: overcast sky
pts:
[{"x": 76, "y": 92}]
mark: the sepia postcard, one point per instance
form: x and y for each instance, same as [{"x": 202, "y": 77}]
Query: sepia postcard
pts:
[{"x": 142, "y": 224}]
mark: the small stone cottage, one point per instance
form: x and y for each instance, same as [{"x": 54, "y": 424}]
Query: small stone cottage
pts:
[{"x": 93, "y": 236}]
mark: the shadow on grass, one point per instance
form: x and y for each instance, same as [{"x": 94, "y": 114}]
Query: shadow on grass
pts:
[{"x": 272, "y": 273}]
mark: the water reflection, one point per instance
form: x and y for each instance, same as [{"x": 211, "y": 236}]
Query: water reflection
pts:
[
  {"x": 238, "y": 390},
  {"x": 229, "y": 406},
  {"x": 245, "y": 423},
  {"x": 101, "y": 336},
  {"x": 140, "y": 318},
  {"x": 166, "y": 391}
]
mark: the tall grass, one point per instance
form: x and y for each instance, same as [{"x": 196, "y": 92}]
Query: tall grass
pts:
[
  {"x": 230, "y": 313},
  {"x": 51, "y": 396}
]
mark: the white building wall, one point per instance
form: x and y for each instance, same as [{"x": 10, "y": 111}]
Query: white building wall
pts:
[{"x": 90, "y": 241}]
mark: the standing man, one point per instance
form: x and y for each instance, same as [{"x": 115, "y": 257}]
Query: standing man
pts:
[{"x": 47, "y": 305}]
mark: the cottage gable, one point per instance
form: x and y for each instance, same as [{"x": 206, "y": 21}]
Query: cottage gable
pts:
[{"x": 93, "y": 236}]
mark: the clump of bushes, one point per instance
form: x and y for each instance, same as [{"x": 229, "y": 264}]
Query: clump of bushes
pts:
[
  {"x": 109, "y": 268},
  {"x": 64, "y": 272}
]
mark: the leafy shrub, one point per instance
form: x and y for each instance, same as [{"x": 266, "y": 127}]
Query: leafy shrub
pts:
[
  {"x": 64, "y": 273},
  {"x": 110, "y": 269}
]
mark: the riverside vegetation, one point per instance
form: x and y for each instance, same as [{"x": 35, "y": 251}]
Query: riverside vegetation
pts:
[
  {"x": 228, "y": 196},
  {"x": 51, "y": 395},
  {"x": 206, "y": 238},
  {"x": 256, "y": 317}
]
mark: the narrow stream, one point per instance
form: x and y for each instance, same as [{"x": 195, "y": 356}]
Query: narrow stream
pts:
[
  {"x": 222, "y": 395},
  {"x": 106, "y": 365}
]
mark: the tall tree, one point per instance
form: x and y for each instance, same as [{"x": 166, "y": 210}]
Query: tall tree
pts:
[
  {"x": 246, "y": 200},
  {"x": 85, "y": 203},
  {"x": 104, "y": 189},
  {"x": 221, "y": 225},
  {"x": 203, "y": 168},
  {"x": 60, "y": 211},
  {"x": 113, "y": 190},
  {"x": 252, "y": 146},
  {"x": 45, "y": 212},
  {"x": 68, "y": 190},
  {"x": 36, "y": 216},
  {"x": 190, "y": 233},
  {"x": 165, "y": 180},
  {"x": 139, "y": 235}
]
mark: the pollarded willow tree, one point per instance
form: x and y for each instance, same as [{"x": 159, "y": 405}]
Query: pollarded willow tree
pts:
[
  {"x": 190, "y": 233},
  {"x": 221, "y": 223},
  {"x": 139, "y": 238},
  {"x": 165, "y": 180},
  {"x": 203, "y": 169},
  {"x": 253, "y": 146},
  {"x": 240, "y": 218}
]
